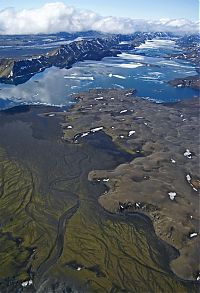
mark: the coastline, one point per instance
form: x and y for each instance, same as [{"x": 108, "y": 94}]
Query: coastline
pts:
[{"x": 98, "y": 227}]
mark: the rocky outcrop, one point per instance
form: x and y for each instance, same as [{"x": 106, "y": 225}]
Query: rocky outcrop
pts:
[
  {"x": 190, "y": 81},
  {"x": 92, "y": 46},
  {"x": 18, "y": 71},
  {"x": 190, "y": 47},
  {"x": 162, "y": 179}
]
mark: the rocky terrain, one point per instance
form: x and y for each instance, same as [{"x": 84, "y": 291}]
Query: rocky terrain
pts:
[
  {"x": 20, "y": 70},
  {"x": 189, "y": 81},
  {"x": 191, "y": 53},
  {"x": 91, "y": 46},
  {"x": 163, "y": 181},
  {"x": 77, "y": 196},
  {"x": 190, "y": 46}
]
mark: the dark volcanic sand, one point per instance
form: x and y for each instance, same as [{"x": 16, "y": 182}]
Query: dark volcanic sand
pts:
[
  {"x": 162, "y": 134},
  {"x": 54, "y": 232}
]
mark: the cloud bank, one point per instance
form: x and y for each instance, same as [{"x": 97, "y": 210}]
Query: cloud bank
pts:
[{"x": 57, "y": 17}]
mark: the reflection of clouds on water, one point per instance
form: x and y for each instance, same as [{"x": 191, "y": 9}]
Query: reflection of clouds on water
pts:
[
  {"x": 54, "y": 85},
  {"x": 46, "y": 88}
]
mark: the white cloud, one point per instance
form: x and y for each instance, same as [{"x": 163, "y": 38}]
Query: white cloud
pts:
[{"x": 56, "y": 17}]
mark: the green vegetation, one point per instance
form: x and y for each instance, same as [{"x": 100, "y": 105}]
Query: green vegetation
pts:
[{"x": 61, "y": 232}]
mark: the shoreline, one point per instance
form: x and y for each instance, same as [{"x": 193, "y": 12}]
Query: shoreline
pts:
[{"x": 95, "y": 213}]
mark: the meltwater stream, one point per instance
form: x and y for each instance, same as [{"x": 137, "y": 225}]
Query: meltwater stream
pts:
[{"x": 145, "y": 68}]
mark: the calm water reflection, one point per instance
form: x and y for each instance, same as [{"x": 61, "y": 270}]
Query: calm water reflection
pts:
[{"x": 145, "y": 69}]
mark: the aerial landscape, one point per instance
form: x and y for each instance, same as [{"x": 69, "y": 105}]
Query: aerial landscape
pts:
[{"x": 99, "y": 146}]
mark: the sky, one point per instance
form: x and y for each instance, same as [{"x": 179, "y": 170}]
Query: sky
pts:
[
  {"x": 145, "y": 9},
  {"x": 110, "y": 16}
]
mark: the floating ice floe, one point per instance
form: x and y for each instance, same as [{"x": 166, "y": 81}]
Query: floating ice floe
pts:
[
  {"x": 151, "y": 78},
  {"x": 193, "y": 235},
  {"x": 96, "y": 129},
  {"x": 131, "y": 56},
  {"x": 123, "y": 111},
  {"x": 156, "y": 43},
  {"x": 118, "y": 85},
  {"x": 129, "y": 65},
  {"x": 172, "y": 195},
  {"x": 79, "y": 77},
  {"x": 188, "y": 154},
  {"x": 27, "y": 283},
  {"x": 131, "y": 132},
  {"x": 119, "y": 76}
]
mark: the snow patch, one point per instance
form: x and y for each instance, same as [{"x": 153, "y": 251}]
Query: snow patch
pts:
[
  {"x": 193, "y": 235},
  {"x": 131, "y": 132},
  {"x": 96, "y": 129},
  {"x": 123, "y": 111},
  {"x": 84, "y": 134},
  {"x": 99, "y": 98},
  {"x": 188, "y": 177},
  {"x": 172, "y": 195},
  {"x": 188, "y": 154},
  {"x": 27, "y": 283}
]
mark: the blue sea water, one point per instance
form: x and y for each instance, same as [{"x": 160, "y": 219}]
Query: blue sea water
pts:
[{"x": 145, "y": 69}]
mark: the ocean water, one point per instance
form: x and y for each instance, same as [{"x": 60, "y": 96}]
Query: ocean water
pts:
[{"x": 145, "y": 69}]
